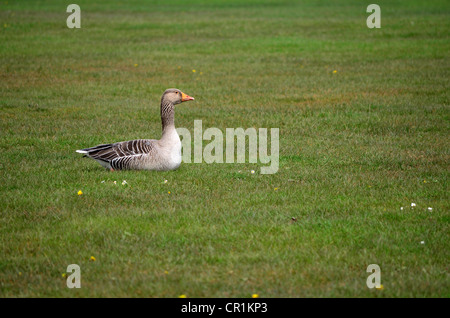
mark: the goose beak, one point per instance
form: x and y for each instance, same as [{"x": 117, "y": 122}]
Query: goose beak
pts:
[{"x": 185, "y": 97}]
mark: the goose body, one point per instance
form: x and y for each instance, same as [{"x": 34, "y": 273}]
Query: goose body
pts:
[{"x": 145, "y": 154}]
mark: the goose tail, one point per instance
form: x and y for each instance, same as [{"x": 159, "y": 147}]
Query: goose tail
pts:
[
  {"x": 93, "y": 150},
  {"x": 103, "y": 154},
  {"x": 96, "y": 152}
]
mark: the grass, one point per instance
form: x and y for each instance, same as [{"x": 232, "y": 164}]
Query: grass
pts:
[{"x": 355, "y": 146}]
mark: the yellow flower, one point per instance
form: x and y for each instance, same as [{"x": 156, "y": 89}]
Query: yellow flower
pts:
[
  {"x": 182, "y": 296},
  {"x": 275, "y": 189},
  {"x": 381, "y": 287},
  {"x": 166, "y": 272},
  {"x": 92, "y": 259},
  {"x": 64, "y": 275},
  {"x": 135, "y": 65},
  {"x": 193, "y": 71},
  {"x": 168, "y": 192},
  {"x": 80, "y": 192},
  {"x": 255, "y": 296},
  {"x": 335, "y": 71}
]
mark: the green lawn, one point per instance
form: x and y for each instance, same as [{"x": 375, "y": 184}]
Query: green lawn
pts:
[{"x": 356, "y": 145}]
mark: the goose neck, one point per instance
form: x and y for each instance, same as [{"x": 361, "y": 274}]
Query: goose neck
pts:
[{"x": 167, "y": 115}]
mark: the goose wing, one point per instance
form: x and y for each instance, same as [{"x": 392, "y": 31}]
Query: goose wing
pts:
[{"x": 121, "y": 153}]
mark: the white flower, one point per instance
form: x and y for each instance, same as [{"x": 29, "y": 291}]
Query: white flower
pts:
[
  {"x": 103, "y": 181},
  {"x": 252, "y": 172},
  {"x": 115, "y": 182},
  {"x": 124, "y": 182},
  {"x": 430, "y": 209},
  {"x": 165, "y": 181},
  {"x": 422, "y": 242},
  {"x": 413, "y": 204},
  {"x": 401, "y": 208}
]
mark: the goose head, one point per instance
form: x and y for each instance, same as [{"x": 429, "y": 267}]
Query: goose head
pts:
[{"x": 175, "y": 96}]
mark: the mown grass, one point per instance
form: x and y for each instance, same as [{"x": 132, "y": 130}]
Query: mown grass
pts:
[{"x": 355, "y": 146}]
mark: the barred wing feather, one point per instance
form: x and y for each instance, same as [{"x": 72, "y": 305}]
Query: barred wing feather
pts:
[{"x": 120, "y": 155}]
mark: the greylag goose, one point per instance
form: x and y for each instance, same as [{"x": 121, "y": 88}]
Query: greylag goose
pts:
[{"x": 146, "y": 154}]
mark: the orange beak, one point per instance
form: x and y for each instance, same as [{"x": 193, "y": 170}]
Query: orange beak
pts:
[{"x": 185, "y": 97}]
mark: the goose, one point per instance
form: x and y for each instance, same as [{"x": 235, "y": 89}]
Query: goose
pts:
[{"x": 146, "y": 154}]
